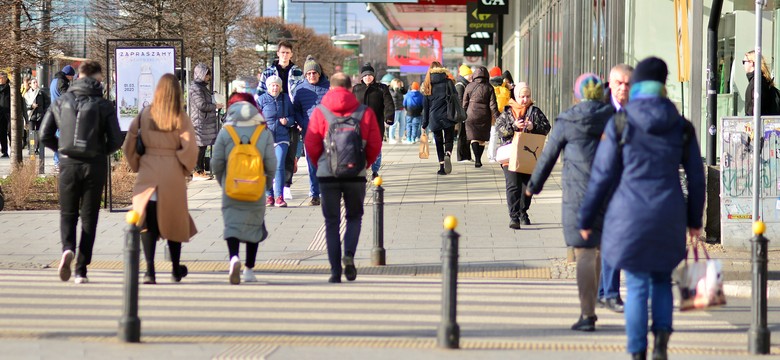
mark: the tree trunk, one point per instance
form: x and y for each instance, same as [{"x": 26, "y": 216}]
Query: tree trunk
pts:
[{"x": 17, "y": 121}]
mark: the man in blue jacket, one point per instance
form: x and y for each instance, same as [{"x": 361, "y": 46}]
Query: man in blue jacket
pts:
[
  {"x": 308, "y": 95},
  {"x": 413, "y": 103}
]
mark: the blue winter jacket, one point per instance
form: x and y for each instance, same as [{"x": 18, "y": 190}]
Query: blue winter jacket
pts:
[
  {"x": 275, "y": 108},
  {"x": 646, "y": 219},
  {"x": 413, "y": 103},
  {"x": 576, "y": 132},
  {"x": 307, "y": 97}
]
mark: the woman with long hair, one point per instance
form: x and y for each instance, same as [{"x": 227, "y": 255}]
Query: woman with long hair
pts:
[
  {"x": 160, "y": 190},
  {"x": 435, "y": 89},
  {"x": 768, "y": 104}
]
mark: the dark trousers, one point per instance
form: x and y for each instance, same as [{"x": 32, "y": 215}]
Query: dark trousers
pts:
[
  {"x": 464, "y": 151},
  {"x": 5, "y": 131},
  {"x": 444, "y": 139},
  {"x": 81, "y": 187},
  {"x": 290, "y": 158},
  {"x": 516, "y": 200},
  {"x": 251, "y": 250},
  {"x": 609, "y": 286},
  {"x": 200, "y": 166},
  {"x": 149, "y": 237},
  {"x": 354, "y": 193}
]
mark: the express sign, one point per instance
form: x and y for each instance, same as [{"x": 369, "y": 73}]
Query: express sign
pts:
[{"x": 478, "y": 21}]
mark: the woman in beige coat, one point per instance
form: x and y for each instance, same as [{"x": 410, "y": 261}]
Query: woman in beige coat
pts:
[{"x": 160, "y": 191}]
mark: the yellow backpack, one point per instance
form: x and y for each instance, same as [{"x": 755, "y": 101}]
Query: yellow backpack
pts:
[{"x": 245, "y": 178}]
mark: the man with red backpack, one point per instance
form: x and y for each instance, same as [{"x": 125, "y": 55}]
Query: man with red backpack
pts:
[{"x": 341, "y": 159}]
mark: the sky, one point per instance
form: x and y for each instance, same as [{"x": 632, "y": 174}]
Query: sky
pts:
[{"x": 367, "y": 20}]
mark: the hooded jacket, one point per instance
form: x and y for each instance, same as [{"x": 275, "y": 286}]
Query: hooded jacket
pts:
[
  {"x": 481, "y": 107},
  {"x": 377, "y": 97},
  {"x": 275, "y": 108},
  {"x": 203, "y": 111},
  {"x": 577, "y": 132},
  {"x": 59, "y": 85},
  {"x": 341, "y": 103},
  {"x": 435, "y": 105},
  {"x": 308, "y": 96},
  {"x": 646, "y": 219},
  {"x": 413, "y": 102},
  {"x": 63, "y": 115},
  {"x": 243, "y": 219}
]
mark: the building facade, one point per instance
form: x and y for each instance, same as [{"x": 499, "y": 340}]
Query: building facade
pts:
[{"x": 324, "y": 18}]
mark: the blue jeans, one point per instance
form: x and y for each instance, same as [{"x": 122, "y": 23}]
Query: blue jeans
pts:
[
  {"x": 354, "y": 194},
  {"x": 399, "y": 123},
  {"x": 609, "y": 284},
  {"x": 656, "y": 286},
  {"x": 280, "y": 150},
  {"x": 413, "y": 127},
  {"x": 314, "y": 183},
  {"x": 375, "y": 166}
]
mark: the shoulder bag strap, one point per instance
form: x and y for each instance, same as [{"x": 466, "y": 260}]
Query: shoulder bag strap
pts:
[
  {"x": 232, "y": 132},
  {"x": 256, "y": 134}
]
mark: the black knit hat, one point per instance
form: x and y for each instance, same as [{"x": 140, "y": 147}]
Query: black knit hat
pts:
[
  {"x": 508, "y": 77},
  {"x": 366, "y": 69},
  {"x": 652, "y": 69}
]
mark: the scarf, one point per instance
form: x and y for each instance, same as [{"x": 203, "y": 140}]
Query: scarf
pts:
[
  {"x": 519, "y": 110},
  {"x": 647, "y": 89}
]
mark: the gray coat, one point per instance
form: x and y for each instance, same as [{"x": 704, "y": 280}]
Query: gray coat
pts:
[
  {"x": 242, "y": 219},
  {"x": 202, "y": 108}
]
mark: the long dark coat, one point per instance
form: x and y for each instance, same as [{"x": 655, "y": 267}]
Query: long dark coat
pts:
[
  {"x": 435, "y": 105},
  {"x": 577, "y": 132},
  {"x": 479, "y": 101}
]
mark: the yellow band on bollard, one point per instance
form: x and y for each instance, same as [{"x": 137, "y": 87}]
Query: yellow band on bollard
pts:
[
  {"x": 132, "y": 217},
  {"x": 450, "y": 222},
  {"x": 378, "y": 181},
  {"x": 759, "y": 227}
]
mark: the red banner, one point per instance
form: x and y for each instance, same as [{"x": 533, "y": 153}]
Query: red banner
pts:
[{"x": 415, "y": 48}]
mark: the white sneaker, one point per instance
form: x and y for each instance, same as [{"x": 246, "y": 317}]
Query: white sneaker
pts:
[
  {"x": 287, "y": 193},
  {"x": 235, "y": 271},
  {"x": 81, "y": 279},
  {"x": 64, "y": 269},
  {"x": 248, "y": 275}
]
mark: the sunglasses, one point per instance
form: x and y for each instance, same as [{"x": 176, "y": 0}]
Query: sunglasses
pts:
[{"x": 746, "y": 61}]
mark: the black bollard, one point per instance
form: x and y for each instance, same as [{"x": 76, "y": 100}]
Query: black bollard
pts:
[
  {"x": 378, "y": 252},
  {"x": 130, "y": 323},
  {"x": 449, "y": 331},
  {"x": 759, "y": 334}
]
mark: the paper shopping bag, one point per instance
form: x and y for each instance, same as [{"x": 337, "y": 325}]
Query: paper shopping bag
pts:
[
  {"x": 526, "y": 150},
  {"x": 424, "y": 152}
]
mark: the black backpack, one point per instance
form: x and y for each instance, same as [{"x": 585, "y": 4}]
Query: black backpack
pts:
[
  {"x": 84, "y": 137},
  {"x": 344, "y": 146}
]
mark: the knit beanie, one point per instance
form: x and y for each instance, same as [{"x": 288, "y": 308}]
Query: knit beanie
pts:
[
  {"x": 273, "y": 79},
  {"x": 415, "y": 86},
  {"x": 366, "y": 69},
  {"x": 519, "y": 89},
  {"x": 310, "y": 65},
  {"x": 652, "y": 69},
  {"x": 68, "y": 70},
  {"x": 495, "y": 72},
  {"x": 588, "y": 86},
  {"x": 508, "y": 77},
  {"x": 464, "y": 70}
]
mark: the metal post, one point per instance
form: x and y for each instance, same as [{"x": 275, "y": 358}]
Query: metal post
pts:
[
  {"x": 130, "y": 323},
  {"x": 758, "y": 142},
  {"x": 449, "y": 331},
  {"x": 378, "y": 252},
  {"x": 712, "y": 81},
  {"x": 759, "y": 334}
]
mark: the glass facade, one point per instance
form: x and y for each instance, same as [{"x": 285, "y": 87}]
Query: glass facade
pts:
[
  {"x": 71, "y": 16},
  {"x": 323, "y": 18}
]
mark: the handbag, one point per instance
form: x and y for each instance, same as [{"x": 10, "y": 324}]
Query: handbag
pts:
[
  {"x": 424, "y": 151},
  {"x": 140, "y": 148},
  {"x": 455, "y": 112},
  {"x": 504, "y": 153},
  {"x": 700, "y": 283}
]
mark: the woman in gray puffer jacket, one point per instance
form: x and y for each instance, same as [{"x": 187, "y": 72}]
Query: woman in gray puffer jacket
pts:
[{"x": 203, "y": 114}]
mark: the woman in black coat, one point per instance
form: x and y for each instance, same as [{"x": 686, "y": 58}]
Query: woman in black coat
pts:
[
  {"x": 36, "y": 101},
  {"x": 768, "y": 103},
  {"x": 435, "y": 89},
  {"x": 577, "y": 132}
]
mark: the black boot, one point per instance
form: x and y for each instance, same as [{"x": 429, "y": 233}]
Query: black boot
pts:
[
  {"x": 478, "y": 149},
  {"x": 661, "y": 343},
  {"x": 149, "y": 241},
  {"x": 441, "y": 170},
  {"x": 639, "y": 356}
]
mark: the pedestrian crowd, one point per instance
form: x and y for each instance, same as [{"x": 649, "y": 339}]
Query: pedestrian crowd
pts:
[{"x": 621, "y": 135}]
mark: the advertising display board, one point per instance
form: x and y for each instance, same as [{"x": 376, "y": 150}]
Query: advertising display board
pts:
[
  {"x": 413, "y": 48},
  {"x": 137, "y": 71}
]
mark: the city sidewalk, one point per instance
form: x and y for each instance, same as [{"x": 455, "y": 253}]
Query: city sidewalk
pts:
[{"x": 416, "y": 202}]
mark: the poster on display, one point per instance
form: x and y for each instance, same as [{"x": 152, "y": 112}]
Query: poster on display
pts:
[
  {"x": 413, "y": 48},
  {"x": 137, "y": 71}
]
